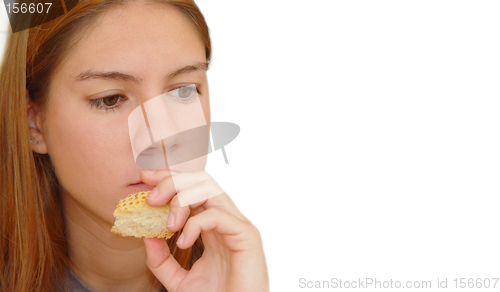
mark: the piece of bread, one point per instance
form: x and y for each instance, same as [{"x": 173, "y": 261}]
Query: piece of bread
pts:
[{"x": 134, "y": 217}]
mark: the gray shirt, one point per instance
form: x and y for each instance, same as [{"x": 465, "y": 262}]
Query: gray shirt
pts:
[{"x": 74, "y": 284}]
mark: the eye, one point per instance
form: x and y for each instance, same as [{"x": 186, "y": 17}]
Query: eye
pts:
[
  {"x": 107, "y": 103},
  {"x": 110, "y": 100},
  {"x": 185, "y": 93}
]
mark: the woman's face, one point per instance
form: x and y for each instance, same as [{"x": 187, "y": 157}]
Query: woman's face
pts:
[{"x": 89, "y": 146}]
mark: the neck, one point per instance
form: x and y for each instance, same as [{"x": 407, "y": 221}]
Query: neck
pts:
[{"x": 105, "y": 262}]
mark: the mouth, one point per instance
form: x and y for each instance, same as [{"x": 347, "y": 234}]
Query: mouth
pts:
[{"x": 140, "y": 187}]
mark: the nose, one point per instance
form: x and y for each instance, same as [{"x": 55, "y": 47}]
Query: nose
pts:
[
  {"x": 149, "y": 124},
  {"x": 163, "y": 122}
]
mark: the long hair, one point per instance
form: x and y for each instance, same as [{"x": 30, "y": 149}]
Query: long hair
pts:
[{"x": 33, "y": 248}]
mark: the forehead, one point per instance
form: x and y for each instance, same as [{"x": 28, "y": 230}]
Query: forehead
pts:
[{"x": 137, "y": 37}]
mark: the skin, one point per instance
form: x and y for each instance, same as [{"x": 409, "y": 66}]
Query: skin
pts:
[{"x": 92, "y": 157}]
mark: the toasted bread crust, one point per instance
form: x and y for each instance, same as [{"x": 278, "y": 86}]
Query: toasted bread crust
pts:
[{"x": 130, "y": 207}]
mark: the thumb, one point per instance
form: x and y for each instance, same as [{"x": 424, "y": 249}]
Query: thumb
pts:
[{"x": 162, "y": 264}]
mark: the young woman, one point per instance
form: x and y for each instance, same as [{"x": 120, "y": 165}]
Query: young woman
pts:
[{"x": 67, "y": 88}]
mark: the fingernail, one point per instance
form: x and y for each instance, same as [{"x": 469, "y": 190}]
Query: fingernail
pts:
[
  {"x": 180, "y": 239},
  {"x": 152, "y": 195},
  {"x": 170, "y": 219},
  {"x": 149, "y": 172}
]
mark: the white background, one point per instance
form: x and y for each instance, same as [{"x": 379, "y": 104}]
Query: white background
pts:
[{"x": 369, "y": 143}]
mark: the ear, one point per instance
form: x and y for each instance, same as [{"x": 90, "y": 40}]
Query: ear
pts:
[{"x": 37, "y": 139}]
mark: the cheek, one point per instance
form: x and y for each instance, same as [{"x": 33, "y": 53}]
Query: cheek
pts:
[
  {"x": 206, "y": 110},
  {"x": 89, "y": 152}
]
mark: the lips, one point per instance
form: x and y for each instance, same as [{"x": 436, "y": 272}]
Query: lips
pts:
[{"x": 140, "y": 187}]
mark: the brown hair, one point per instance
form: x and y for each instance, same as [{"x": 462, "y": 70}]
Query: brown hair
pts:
[{"x": 33, "y": 250}]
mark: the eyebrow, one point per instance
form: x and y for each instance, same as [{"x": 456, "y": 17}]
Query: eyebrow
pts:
[{"x": 114, "y": 75}]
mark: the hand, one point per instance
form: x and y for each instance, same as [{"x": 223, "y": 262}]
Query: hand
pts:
[{"x": 233, "y": 259}]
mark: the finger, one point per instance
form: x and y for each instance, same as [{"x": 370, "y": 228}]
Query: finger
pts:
[
  {"x": 168, "y": 183},
  {"x": 177, "y": 216},
  {"x": 162, "y": 264},
  {"x": 164, "y": 190},
  {"x": 180, "y": 212},
  {"x": 237, "y": 235},
  {"x": 197, "y": 189},
  {"x": 205, "y": 195},
  {"x": 220, "y": 201},
  {"x": 198, "y": 194},
  {"x": 153, "y": 177},
  {"x": 200, "y": 189}
]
